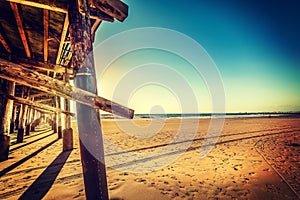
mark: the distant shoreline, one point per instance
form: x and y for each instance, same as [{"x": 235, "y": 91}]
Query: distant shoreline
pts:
[{"x": 209, "y": 115}]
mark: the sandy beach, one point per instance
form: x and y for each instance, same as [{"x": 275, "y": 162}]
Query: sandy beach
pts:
[{"x": 254, "y": 158}]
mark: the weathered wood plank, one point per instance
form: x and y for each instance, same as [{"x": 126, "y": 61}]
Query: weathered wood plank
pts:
[
  {"x": 30, "y": 78},
  {"x": 114, "y": 8},
  {"x": 46, "y": 33},
  {"x": 15, "y": 10}
]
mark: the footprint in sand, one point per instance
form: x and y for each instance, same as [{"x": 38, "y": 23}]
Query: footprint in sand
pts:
[{"x": 140, "y": 180}]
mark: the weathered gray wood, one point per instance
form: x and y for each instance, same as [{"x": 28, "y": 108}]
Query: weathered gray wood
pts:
[
  {"x": 88, "y": 120},
  {"x": 33, "y": 79}
]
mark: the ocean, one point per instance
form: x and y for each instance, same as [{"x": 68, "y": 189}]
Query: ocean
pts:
[{"x": 207, "y": 115}]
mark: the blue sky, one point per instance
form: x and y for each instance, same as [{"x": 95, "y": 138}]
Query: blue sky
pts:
[{"x": 254, "y": 44}]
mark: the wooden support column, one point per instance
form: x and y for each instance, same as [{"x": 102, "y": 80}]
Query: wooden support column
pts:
[
  {"x": 54, "y": 118},
  {"x": 33, "y": 117},
  {"x": 68, "y": 131},
  {"x": 28, "y": 120},
  {"x": 6, "y": 107},
  {"x": 17, "y": 117},
  {"x": 59, "y": 126},
  {"x": 88, "y": 119},
  {"x": 9, "y": 108},
  {"x": 13, "y": 119},
  {"x": 22, "y": 118}
]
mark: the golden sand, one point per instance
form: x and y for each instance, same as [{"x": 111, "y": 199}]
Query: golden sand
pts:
[{"x": 254, "y": 158}]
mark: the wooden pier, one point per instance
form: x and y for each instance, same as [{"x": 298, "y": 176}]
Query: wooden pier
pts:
[{"x": 43, "y": 45}]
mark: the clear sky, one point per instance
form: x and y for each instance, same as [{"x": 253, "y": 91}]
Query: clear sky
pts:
[{"x": 254, "y": 43}]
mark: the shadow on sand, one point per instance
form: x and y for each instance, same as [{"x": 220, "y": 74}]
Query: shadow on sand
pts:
[
  {"x": 43, "y": 183},
  {"x": 16, "y": 164}
]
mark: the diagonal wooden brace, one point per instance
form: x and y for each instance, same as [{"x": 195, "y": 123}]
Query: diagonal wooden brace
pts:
[{"x": 33, "y": 79}]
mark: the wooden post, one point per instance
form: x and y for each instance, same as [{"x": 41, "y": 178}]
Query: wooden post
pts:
[
  {"x": 6, "y": 107},
  {"x": 54, "y": 124},
  {"x": 22, "y": 118},
  {"x": 18, "y": 108},
  {"x": 33, "y": 117},
  {"x": 28, "y": 120},
  {"x": 9, "y": 108},
  {"x": 59, "y": 128},
  {"x": 88, "y": 118},
  {"x": 13, "y": 120},
  {"x": 68, "y": 131}
]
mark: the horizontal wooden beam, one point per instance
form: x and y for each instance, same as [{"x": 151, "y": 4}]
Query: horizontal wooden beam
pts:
[
  {"x": 33, "y": 79},
  {"x": 58, "y": 6},
  {"x": 15, "y": 10},
  {"x": 43, "y": 100},
  {"x": 61, "y": 6},
  {"x": 4, "y": 43},
  {"x": 98, "y": 14},
  {"x": 114, "y": 8},
  {"x": 35, "y": 104},
  {"x": 40, "y": 65},
  {"x": 38, "y": 95},
  {"x": 43, "y": 111}
]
